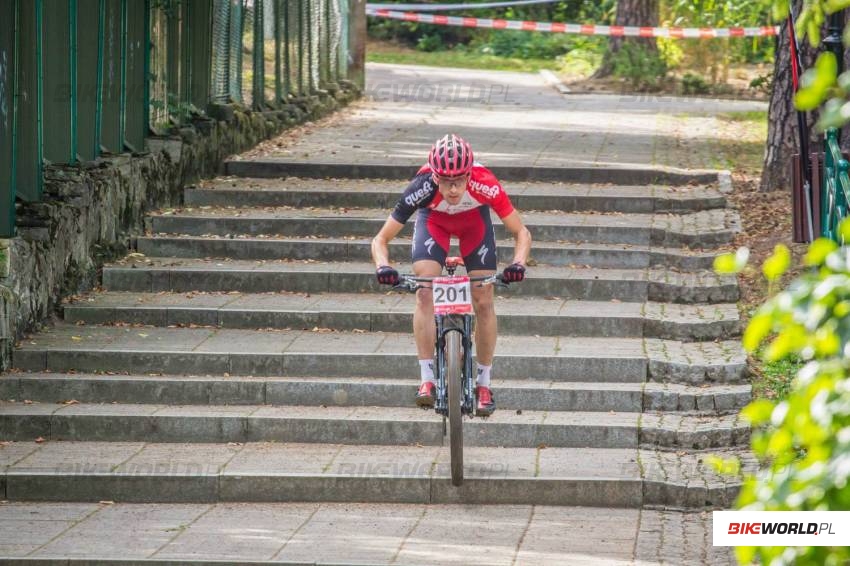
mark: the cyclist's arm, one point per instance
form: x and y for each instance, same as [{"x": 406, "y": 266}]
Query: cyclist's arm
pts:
[
  {"x": 380, "y": 249},
  {"x": 513, "y": 223}
]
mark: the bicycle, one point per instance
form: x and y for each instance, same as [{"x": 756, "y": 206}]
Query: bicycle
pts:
[{"x": 455, "y": 391}]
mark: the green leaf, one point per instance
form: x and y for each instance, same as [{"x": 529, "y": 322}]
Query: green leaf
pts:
[
  {"x": 817, "y": 81},
  {"x": 730, "y": 263},
  {"x": 844, "y": 228},
  {"x": 818, "y": 251},
  {"x": 778, "y": 263},
  {"x": 758, "y": 328},
  {"x": 758, "y": 412}
]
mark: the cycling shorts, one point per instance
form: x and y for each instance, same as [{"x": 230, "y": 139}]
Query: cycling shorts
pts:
[{"x": 473, "y": 229}]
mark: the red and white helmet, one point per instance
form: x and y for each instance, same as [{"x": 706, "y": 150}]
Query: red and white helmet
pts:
[{"x": 451, "y": 156}]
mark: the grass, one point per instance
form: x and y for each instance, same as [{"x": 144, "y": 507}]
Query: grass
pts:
[
  {"x": 772, "y": 380},
  {"x": 459, "y": 59},
  {"x": 577, "y": 64}
]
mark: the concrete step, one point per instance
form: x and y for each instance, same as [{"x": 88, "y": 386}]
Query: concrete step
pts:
[
  {"x": 707, "y": 228},
  {"x": 394, "y": 313},
  {"x": 139, "y": 472},
  {"x": 271, "y": 168},
  {"x": 623, "y": 256},
  {"x": 215, "y": 351},
  {"x": 154, "y": 274},
  {"x": 350, "y": 534},
  {"x": 363, "y": 425},
  {"x": 512, "y": 394},
  {"x": 383, "y": 194}
]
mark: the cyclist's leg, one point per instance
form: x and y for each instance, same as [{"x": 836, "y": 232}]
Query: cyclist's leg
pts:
[
  {"x": 478, "y": 246},
  {"x": 430, "y": 246}
]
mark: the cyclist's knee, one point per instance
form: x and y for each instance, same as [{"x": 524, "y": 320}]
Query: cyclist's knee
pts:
[
  {"x": 483, "y": 303},
  {"x": 424, "y": 298}
]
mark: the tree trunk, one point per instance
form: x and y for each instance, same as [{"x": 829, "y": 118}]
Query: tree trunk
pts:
[
  {"x": 783, "y": 137},
  {"x": 630, "y": 13}
]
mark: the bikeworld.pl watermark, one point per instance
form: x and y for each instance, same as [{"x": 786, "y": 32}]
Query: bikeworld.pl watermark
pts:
[
  {"x": 443, "y": 93},
  {"x": 781, "y": 528}
]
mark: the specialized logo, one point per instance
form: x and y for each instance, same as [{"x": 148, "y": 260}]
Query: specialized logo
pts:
[
  {"x": 490, "y": 191},
  {"x": 429, "y": 243},
  {"x": 482, "y": 253},
  {"x": 419, "y": 195}
]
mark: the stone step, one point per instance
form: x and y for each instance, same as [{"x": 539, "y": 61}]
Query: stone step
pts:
[
  {"x": 140, "y": 472},
  {"x": 194, "y": 351},
  {"x": 383, "y": 194},
  {"x": 394, "y": 313},
  {"x": 351, "y": 534},
  {"x": 512, "y": 394},
  {"x": 363, "y": 425},
  {"x": 708, "y": 228},
  {"x": 271, "y": 168},
  {"x": 623, "y": 256},
  {"x": 154, "y": 274}
]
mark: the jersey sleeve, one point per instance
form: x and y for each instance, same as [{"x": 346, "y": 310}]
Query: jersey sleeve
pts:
[
  {"x": 494, "y": 195},
  {"x": 418, "y": 194}
]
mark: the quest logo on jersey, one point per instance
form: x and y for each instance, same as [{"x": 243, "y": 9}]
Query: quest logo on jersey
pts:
[
  {"x": 488, "y": 190},
  {"x": 419, "y": 195}
]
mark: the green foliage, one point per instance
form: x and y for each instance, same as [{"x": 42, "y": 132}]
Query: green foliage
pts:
[
  {"x": 822, "y": 86},
  {"x": 803, "y": 440},
  {"x": 429, "y": 42},
  {"x": 525, "y": 44},
  {"x": 694, "y": 84},
  {"x": 712, "y": 59},
  {"x": 763, "y": 84},
  {"x": 643, "y": 67}
]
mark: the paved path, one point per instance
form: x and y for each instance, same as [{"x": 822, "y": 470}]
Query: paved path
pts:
[
  {"x": 311, "y": 533},
  {"x": 510, "y": 119}
]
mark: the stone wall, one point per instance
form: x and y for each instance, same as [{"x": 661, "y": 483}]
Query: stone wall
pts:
[{"x": 89, "y": 214}]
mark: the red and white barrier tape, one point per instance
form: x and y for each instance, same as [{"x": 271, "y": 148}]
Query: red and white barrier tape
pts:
[{"x": 580, "y": 29}]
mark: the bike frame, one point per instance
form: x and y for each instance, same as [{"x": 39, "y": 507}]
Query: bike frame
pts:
[{"x": 447, "y": 323}]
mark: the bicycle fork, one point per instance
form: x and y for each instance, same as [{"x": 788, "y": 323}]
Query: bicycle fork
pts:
[{"x": 463, "y": 325}]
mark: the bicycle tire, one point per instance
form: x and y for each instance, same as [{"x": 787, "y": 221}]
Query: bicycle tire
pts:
[{"x": 454, "y": 382}]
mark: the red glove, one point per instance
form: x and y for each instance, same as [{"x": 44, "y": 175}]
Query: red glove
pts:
[
  {"x": 514, "y": 273},
  {"x": 387, "y": 275}
]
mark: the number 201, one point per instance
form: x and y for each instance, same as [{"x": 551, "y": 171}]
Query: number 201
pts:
[{"x": 449, "y": 295}]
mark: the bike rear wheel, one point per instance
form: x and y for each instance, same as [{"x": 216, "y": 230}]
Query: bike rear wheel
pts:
[{"x": 454, "y": 382}]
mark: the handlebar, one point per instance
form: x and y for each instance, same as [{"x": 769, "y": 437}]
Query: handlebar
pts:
[{"x": 411, "y": 283}]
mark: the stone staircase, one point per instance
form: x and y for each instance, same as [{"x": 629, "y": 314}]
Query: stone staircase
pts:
[{"x": 244, "y": 353}]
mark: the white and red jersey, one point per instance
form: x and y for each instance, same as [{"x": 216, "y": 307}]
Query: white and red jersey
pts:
[{"x": 482, "y": 189}]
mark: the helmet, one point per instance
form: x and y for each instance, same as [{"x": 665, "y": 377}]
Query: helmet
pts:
[{"x": 450, "y": 156}]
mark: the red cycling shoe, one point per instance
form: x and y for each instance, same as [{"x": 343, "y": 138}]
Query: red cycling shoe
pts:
[
  {"x": 426, "y": 394},
  {"x": 486, "y": 405}
]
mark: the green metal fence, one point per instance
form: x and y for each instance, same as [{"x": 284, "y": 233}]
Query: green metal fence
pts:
[
  {"x": 835, "y": 188},
  {"x": 102, "y": 75}
]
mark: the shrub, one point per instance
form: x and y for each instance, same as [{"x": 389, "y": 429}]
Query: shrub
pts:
[
  {"x": 803, "y": 441},
  {"x": 642, "y": 66}
]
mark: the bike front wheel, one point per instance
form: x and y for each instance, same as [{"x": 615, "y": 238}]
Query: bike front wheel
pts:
[{"x": 454, "y": 382}]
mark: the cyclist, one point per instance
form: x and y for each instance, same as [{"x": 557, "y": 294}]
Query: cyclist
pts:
[{"x": 453, "y": 195}]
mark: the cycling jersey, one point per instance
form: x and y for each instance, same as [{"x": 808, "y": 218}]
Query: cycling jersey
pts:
[
  {"x": 482, "y": 189},
  {"x": 468, "y": 220}
]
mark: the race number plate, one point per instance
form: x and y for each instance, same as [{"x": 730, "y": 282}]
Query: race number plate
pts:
[{"x": 452, "y": 295}]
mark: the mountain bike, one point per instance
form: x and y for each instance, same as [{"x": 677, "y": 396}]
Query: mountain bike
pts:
[{"x": 455, "y": 392}]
